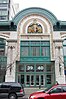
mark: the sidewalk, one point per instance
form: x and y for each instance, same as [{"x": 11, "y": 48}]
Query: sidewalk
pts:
[{"x": 28, "y": 91}]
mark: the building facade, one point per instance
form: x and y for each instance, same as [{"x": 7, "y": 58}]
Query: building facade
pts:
[
  {"x": 33, "y": 48},
  {"x": 7, "y": 10}
]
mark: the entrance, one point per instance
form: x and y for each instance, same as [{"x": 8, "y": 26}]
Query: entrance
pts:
[
  {"x": 40, "y": 80},
  {"x": 32, "y": 80},
  {"x": 35, "y": 80},
  {"x": 35, "y": 75}
]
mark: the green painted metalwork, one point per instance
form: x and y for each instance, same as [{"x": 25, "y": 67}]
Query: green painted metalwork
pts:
[
  {"x": 47, "y": 73},
  {"x": 3, "y": 60},
  {"x": 35, "y": 10},
  {"x": 35, "y": 66},
  {"x": 65, "y": 61},
  {"x": 34, "y": 59},
  {"x": 28, "y": 48}
]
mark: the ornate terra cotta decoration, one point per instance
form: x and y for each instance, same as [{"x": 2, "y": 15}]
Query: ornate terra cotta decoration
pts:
[{"x": 35, "y": 27}]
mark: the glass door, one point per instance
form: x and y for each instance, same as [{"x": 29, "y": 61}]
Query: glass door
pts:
[
  {"x": 37, "y": 80},
  {"x": 40, "y": 80},
  {"x": 21, "y": 79},
  {"x": 29, "y": 80},
  {"x": 32, "y": 80}
]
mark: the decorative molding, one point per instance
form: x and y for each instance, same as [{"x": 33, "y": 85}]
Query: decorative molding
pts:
[
  {"x": 11, "y": 47},
  {"x": 50, "y": 16}
]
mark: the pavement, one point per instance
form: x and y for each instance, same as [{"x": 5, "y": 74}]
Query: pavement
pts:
[{"x": 28, "y": 91}]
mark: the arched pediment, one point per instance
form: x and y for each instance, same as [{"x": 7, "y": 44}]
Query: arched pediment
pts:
[{"x": 34, "y": 10}]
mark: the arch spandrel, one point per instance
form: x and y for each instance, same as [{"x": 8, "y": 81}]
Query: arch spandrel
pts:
[{"x": 37, "y": 23}]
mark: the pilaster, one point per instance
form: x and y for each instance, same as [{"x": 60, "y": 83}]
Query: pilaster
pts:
[
  {"x": 59, "y": 64},
  {"x": 11, "y": 62}
]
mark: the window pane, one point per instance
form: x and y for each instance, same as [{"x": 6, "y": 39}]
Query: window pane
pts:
[
  {"x": 24, "y": 51},
  {"x": 35, "y": 51},
  {"x": 48, "y": 68},
  {"x": 37, "y": 79},
  {"x": 24, "y": 43},
  {"x": 27, "y": 79},
  {"x": 22, "y": 79},
  {"x": 64, "y": 48},
  {"x": 56, "y": 90},
  {"x": 35, "y": 43},
  {"x": 30, "y": 68},
  {"x": 2, "y": 52},
  {"x": 3, "y": 5},
  {"x": 45, "y": 51},
  {"x": 64, "y": 43},
  {"x": 48, "y": 78},
  {"x": 42, "y": 79},
  {"x": 32, "y": 79},
  {"x": 39, "y": 68},
  {"x": 43, "y": 43},
  {"x": 3, "y": 17},
  {"x": 64, "y": 89},
  {"x": 21, "y": 68}
]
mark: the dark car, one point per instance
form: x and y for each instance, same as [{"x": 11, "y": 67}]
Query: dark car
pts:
[
  {"x": 55, "y": 92},
  {"x": 11, "y": 90}
]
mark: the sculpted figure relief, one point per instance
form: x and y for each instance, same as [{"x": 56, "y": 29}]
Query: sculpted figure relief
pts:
[{"x": 35, "y": 28}]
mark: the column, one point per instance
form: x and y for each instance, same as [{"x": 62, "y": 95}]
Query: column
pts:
[
  {"x": 10, "y": 73},
  {"x": 56, "y": 63},
  {"x": 59, "y": 65}
]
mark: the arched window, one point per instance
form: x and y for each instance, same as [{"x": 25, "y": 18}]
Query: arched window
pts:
[{"x": 35, "y": 28}]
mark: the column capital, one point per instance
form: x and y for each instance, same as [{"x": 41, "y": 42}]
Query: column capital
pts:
[{"x": 11, "y": 47}]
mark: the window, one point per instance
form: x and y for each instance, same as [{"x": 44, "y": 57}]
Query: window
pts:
[
  {"x": 25, "y": 51},
  {"x": 64, "y": 88},
  {"x": 35, "y": 51},
  {"x": 21, "y": 68},
  {"x": 56, "y": 90},
  {"x": 27, "y": 79},
  {"x": 3, "y": 5},
  {"x": 48, "y": 68},
  {"x": 34, "y": 48},
  {"x": 5, "y": 86},
  {"x": 30, "y": 68},
  {"x": 2, "y": 52},
  {"x": 39, "y": 68},
  {"x": 64, "y": 47},
  {"x": 2, "y": 47},
  {"x": 64, "y": 50},
  {"x": 3, "y": 18},
  {"x": 45, "y": 51},
  {"x": 4, "y": 1},
  {"x": 48, "y": 79}
]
